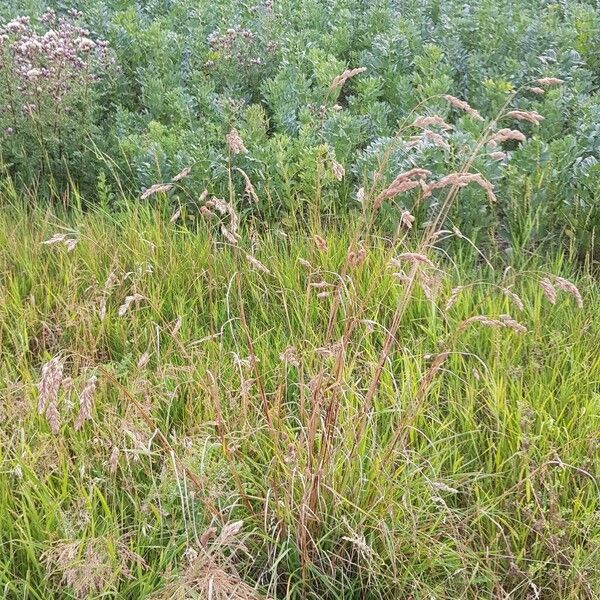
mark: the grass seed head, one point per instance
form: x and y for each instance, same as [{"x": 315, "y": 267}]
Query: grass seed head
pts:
[
  {"x": 338, "y": 170},
  {"x": 570, "y": 288},
  {"x": 406, "y": 219},
  {"x": 411, "y": 179},
  {"x": 157, "y": 188},
  {"x": 548, "y": 289},
  {"x": 548, "y": 81},
  {"x": 432, "y": 120},
  {"x": 461, "y": 180},
  {"x": 464, "y": 106},
  {"x": 49, "y": 384},
  {"x": 235, "y": 142},
  {"x": 454, "y": 294},
  {"x": 515, "y": 298},
  {"x": 531, "y": 116},
  {"x": 320, "y": 243},
  {"x": 129, "y": 300},
  {"x": 182, "y": 174},
  {"x": 340, "y": 80},
  {"x": 256, "y": 264},
  {"x": 505, "y": 135},
  {"x": 86, "y": 402}
]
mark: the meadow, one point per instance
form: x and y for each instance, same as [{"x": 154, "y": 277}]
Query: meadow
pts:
[{"x": 299, "y": 300}]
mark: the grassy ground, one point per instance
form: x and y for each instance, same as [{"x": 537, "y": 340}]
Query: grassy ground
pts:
[{"x": 290, "y": 428}]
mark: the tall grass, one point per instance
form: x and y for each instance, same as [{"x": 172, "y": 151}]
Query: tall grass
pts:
[{"x": 281, "y": 418}]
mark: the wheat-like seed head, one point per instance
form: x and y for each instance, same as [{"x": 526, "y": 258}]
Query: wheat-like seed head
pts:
[
  {"x": 464, "y": 106},
  {"x": 531, "y": 116},
  {"x": 235, "y": 142},
  {"x": 85, "y": 402},
  {"x": 340, "y": 80}
]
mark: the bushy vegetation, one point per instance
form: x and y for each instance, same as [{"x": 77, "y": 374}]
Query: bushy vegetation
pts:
[
  {"x": 299, "y": 300},
  {"x": 187, "y": 71}
]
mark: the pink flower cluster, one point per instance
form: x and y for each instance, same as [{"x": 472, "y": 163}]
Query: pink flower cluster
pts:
[
  {"x": 45, "y": 65},
  {"x": 236, "y": 44}
]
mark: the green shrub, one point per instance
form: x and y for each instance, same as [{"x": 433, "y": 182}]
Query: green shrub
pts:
[{"x": 189, "y": 71}]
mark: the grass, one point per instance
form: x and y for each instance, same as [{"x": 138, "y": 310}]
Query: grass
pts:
[{"x": 262, "y": 434}]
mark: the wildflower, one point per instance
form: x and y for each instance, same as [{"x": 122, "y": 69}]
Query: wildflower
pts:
[
  {"x": 537, "y": 90},
  {"x": 498, "y": 155},
  {"x": 84, "y": 44}
]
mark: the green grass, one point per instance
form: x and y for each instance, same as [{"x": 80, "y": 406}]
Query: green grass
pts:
[{"x": 356, "y": 473}]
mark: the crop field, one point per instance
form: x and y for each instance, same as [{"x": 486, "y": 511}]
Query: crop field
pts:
[{"x": 300, "y": 300}]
